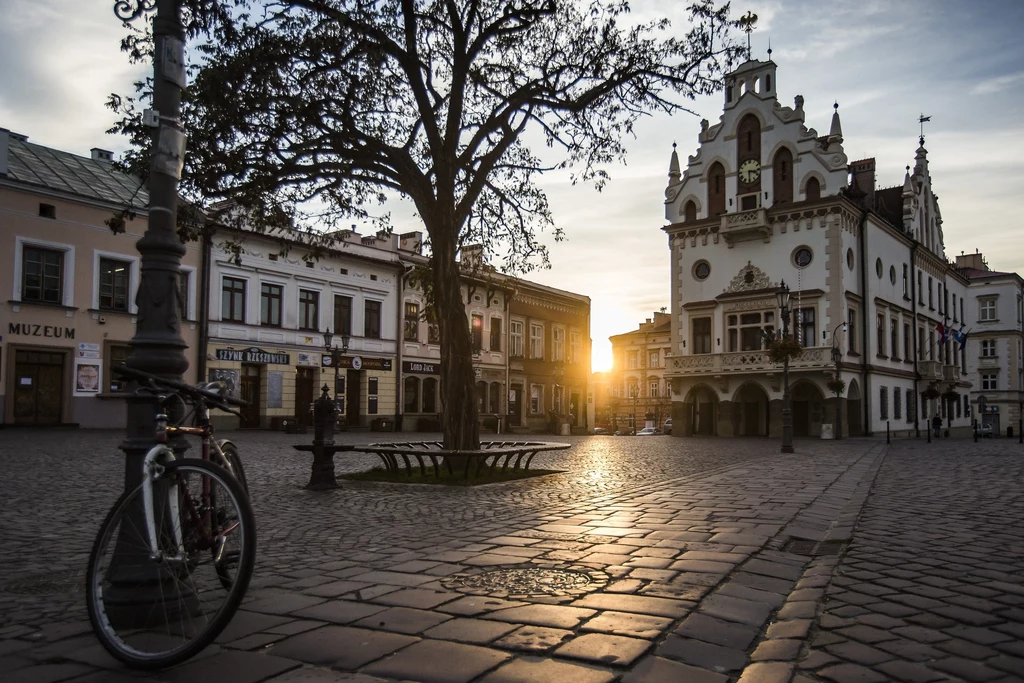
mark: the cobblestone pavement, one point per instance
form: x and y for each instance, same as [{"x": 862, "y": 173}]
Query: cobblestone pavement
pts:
[{"x": 649, "y": 559}]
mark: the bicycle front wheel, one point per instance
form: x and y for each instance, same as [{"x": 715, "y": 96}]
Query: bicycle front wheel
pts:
[{"x": 153, "y": 612}]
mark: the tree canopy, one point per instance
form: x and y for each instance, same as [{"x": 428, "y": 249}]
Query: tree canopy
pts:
[{"x": 316, "y": 111}]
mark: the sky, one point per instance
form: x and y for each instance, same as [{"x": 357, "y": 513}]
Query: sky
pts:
[{"x": 884, "y": 62}]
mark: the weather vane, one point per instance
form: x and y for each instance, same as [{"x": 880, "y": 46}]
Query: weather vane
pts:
[
  {"x": 747, "y": 21},
  {"x": 922, "y": 119}
]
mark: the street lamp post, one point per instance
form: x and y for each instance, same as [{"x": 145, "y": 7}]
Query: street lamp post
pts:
[
  {"x": 634, "y": 393},
  {"x": 837, "y": 358},
  {"x": 782, "y": 295},
  {"x": 336, "y": 354}
]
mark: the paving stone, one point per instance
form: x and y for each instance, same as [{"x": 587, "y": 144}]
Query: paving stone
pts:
[
  {"x": 859, "y": 653},
  {"x": 47, "y": 673},
  {"x": 966, "y": 649},
  {"x": 798, "y": 610},
  {"x": 716, "y": 631},
  {"x": 473, "y": 605},
  {"x": 851, "y": 673},
  {"x": 702, "y": 654},
  {"x": 660, "y": 670},
  {"x": 794, "y": 628},
  {"x": 536, "y": 670},
  {"x": 606, "y": 649},
  {"x": 735, "y": 590},
  {"x": 627, "y": 624},
  {"x": 419, "y": 598},
  {"x": 336, "y": 588},
  {"x": 234, "y": 666},
  {"x": 475, "y": 631},
  {"x": 736, "y": 609},
  {"x": 278, "y": 602},
  {"x": 915, "y": 652},
  {"x": 760, "y": 582},
  {"x": 339, "y": 611},
  {"x": 438, "y": 661},
  {"x": 909, "y": 672},
  {"x": 341, "y": 647},
  {"x": 767, "y": 672},
  {"x": 552, "y": 616},
  {"x": 865, "y": 634},
  {"x": 394, "y": 578},
  {"x": 706, "y": 566},
  {"x": 773, "y": 569},
  {"x": 640, "y": 604},
  {"x": 817, "y": 659},
  {"x": 534, "y": 639},
  {"x": 966, "y": 669},
  {"x": 307, "y": 674},
  {"x": 780, "y": 649},
  {"x": 403, "y": 620}
]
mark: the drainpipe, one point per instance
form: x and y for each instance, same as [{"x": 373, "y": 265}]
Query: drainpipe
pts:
[
  {"x": 204, "y": 305},
  {"x": 865, "y": 337},
  {"x": 913, "y": 326},
  {"x": 403, "y": 270}
]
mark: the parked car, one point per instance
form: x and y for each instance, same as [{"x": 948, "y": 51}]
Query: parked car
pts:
[
  {"x": 668, "y": 426},
  {"x": 648, "y": 431},
  {"x": 600, "y": 430},
  {"x": 985, "y": 430}
]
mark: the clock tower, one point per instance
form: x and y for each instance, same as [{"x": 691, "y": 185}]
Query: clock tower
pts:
[{"x": 748, "y": 163}]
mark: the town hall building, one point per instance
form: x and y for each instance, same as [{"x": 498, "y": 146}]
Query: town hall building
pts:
[{"x": 767, "y": 200}]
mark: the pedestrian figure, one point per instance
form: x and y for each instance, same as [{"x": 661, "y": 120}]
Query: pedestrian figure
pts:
[{"x": 937, "y": 425}]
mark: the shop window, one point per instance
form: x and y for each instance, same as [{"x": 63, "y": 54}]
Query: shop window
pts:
[
  {"x": 411, "y": 327},
  {"x": 116, "y": 355},
  {"x": 412, "y": 394},
  {"x": 429, "y": 395}
]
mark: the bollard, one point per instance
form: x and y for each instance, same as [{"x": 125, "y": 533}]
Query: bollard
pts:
[
  {"x": 322, "y": 474},
  {"x": 887, "y": 432}
]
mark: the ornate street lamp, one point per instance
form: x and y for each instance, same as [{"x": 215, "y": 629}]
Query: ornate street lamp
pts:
[
  {"x": 634, "y": 393},
  {"x": 837, "y": 358},
  {"x": 336, "y": 354},
  {"x": 782, "y": 295}
]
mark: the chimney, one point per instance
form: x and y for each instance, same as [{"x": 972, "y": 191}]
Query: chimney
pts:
[
  {"x": 974, "y": 261},
  {"x": 411, "y": 241},
  {"x": 863, "y": 172},
  {"x": 102, "y": 155},
  {"x": 472, "y": 256},
  {"x": 5, "y": 144}
]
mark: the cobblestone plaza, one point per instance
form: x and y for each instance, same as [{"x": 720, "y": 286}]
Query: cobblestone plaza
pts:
[{"x": 647, "y": 559}]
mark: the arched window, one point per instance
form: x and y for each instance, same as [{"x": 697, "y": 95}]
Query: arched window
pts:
[
  {"x": 412, "y": 394},
  {"x": 782, "y": 176},
  {"x": 494, "y": 398},
  {"x": 716, "y": 189},
  {"x": 690, "y": 211},
  {"x": 481, "y": 397},
  {"x": 749, "y": 134},
  {"x": 768, "y": 83},
  {"x": 813, "y": 189},
  {"x": 429, "y": 395}
]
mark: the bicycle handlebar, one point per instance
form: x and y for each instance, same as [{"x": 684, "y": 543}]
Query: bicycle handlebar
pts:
[{"x": 215, "y": 399}]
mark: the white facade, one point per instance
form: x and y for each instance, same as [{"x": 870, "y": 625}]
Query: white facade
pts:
[{"x": 765, "y": 199}]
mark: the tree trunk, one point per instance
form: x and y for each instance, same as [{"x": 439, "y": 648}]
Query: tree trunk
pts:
[{"x": 458, "y": 395}]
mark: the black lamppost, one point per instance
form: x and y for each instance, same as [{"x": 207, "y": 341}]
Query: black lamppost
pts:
[
  {"x": 782, "y": 295},
  {"x": 336, "y": 354},
  {"x": 634, "y": 393},
  {"x": 837, "y": 358}
]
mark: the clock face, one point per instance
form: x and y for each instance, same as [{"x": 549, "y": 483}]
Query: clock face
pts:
[{"x": 750, "y": 170}]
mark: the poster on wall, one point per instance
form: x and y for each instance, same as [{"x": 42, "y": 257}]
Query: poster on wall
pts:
[
  {"x": 229, "y": 377},
  {"x": 87, "y": 378},
  {"x": 275, "y": 389}
]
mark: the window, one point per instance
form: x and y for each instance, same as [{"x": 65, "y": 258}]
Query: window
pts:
[
  {"x": 920, "y": 343},
  {"x": 232, "y": 307},
  {"x": 931, "y": 345},
  {"x": 371, "y": 395},
  {"x": 117, "y": 354},
  {"x": 429, "y": 395},
  {"x": 495, "y": 344},
  {"x": 42, "y": 275},
  {"x": 270, "y": 304},
  {"x": 183, "y": 277},
  {"x": 477, "y": 326},
  {"x": 701, "y": 336},
  {"x": 433, "y": 333},
  {"x": 633, "y": 360},
  {"x": 897, "y": 403},
  {"x": 515, "y": 331},
  {"x": 47, "y": 211},
  {"x": 536, "y": 341},
  {"x": 716, "y": 189},
  {"x": 955, "y": 319},
  {"x": 371, "y": 320},
  {"x": 652, "y": 359},
  {"x": 813, "y": 189},
  {"x": 967, "y": 405},
  {"x": 115, "y": 277},
  {"x": 652, "y": 389},
  {"x": 894, "y": 342},
  {"x": 481, "y": 397},
  {"x": 851, "y": 330},
  {"x": 988, "y": 309},
  {"x": 558, "y": 343},
  {"x": 883, "y": 402},
  {"x": 911, "y": 400},
  {"x": 906, "y": 342},
  {"x": 342, "y": 315},
  {"x": 920, "y": 289},
  {"x": 412, "y": 394},
  {"x": 309, "y": 310},
  {"x": 906, "y": 284},
  {"x": 931, "y": 293},
  {"x": 411, "y": 326},
  {"x": 880, "y": 325},
  {"x": 575, "y": 347},
  {"x": 745, "y": 330},
  {"x": 805, "y": 324},
  {"x": 536, "y": 398},
  {"x": 988, "y": 381},
  {"x": 988, "y": 348}
]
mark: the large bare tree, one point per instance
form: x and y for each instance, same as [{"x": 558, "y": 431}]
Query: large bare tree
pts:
[{"x": 334, "y": 105}]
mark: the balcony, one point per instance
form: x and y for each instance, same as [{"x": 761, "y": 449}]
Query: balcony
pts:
[
  {"x": 745, "y": 225},
  {"x": 951, "y": 373},
  {"x": 931, "y": 370},
  {"x": 746, "y": 361}
]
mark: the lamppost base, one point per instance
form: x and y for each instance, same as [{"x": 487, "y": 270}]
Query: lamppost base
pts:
[{"x": 787, "y": 449}]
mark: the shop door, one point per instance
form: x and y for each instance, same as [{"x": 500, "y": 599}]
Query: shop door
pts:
[
  {"x": 250, "y": 393},
  {"x": 801, "y": 418},
  {"x": 352, "y": 397},
  {"x": 38, "y": 385},
  {"x": 305, "y": 384},
  {"x": 515, "y": 407}
]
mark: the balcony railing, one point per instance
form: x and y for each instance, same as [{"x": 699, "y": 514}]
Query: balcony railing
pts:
[
  {"x": 747, "y": 361},
  {"x": 931, "y": 370}
]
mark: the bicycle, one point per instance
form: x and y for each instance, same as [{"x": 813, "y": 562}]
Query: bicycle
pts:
[{"x": 149, "y": 602}]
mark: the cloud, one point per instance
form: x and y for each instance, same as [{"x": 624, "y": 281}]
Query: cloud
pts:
[{"x": 994, "y": 85}]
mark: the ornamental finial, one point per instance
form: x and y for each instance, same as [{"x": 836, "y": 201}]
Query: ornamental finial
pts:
[{"x": 130, "y": 10}]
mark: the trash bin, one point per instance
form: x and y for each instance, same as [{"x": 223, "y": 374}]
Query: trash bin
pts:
[{"x": 826, "y": 432}]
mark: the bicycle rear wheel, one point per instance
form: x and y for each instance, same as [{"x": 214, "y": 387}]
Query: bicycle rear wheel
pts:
[
  {"x": 150, "y": 612},
  {"x": 234, "y": 464}
]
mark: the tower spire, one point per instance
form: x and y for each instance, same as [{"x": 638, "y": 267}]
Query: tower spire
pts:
[
  {"x": 835, "y": 133},
  {"x": 922, "y": 119},
  {"x": 747, "y": 21}
]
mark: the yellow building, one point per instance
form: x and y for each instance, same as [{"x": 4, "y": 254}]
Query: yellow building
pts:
[{"x": 639, "y": 394}]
